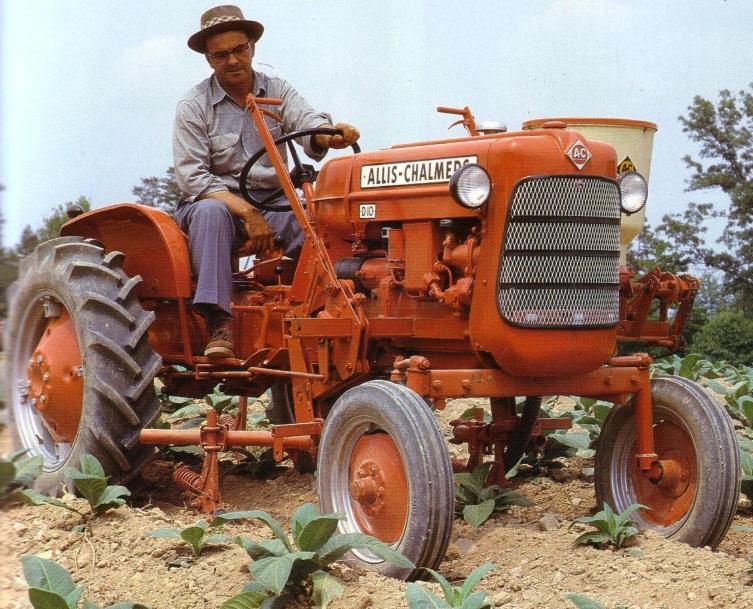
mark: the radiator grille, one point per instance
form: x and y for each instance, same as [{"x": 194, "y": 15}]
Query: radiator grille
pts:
[{"x": 559, "y": 266}]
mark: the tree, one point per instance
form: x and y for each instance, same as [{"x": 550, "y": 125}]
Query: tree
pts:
[
  {"x": 162, "y": 193},
  {"x": 675, "y": 245},
  {"x": 725, "y": 133}
]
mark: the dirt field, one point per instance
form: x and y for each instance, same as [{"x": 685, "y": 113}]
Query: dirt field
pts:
[{"x": 532, "y": 548}]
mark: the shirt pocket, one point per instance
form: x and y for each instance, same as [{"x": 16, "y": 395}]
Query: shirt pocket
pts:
[{"x": 225, "y": 154}]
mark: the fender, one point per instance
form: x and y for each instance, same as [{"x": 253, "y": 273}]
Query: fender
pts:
[{"x": 154, "y": 246}]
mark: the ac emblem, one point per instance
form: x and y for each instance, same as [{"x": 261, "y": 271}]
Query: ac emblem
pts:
[{"x": 578, "y": 154}]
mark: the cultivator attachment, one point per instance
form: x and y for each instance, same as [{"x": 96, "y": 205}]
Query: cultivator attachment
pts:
[
  {"x": 221, "y": 434},
  {"x": 665, "y": 296}
]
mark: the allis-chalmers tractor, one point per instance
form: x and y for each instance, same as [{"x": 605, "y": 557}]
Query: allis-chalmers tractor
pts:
[{"x": 479, "y": 266}]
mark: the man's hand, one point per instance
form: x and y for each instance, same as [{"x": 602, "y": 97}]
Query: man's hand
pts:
[
  {"x": 260, "y": 236},
  {"x": 350, "y": 136}
]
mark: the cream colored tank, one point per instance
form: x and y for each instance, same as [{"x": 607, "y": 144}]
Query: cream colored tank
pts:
[{"x": 633, "y": 141}]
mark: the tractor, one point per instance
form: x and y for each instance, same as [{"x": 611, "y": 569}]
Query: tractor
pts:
[{"x": 484, "y": 266}]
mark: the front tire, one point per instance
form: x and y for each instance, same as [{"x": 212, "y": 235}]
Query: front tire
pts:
[
  {"x": 80, "y": 367},
  {"x": 695, "y": 432},
  {"x": 383, "y": 463}
]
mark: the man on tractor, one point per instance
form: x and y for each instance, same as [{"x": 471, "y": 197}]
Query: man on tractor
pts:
[{"x": 212, "y": 137}]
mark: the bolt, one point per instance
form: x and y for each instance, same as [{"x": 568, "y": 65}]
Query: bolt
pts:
[
  {"x": 31, "y": 362},
  {"x": 80, "y": 371},
  {"x": 46, "y": 377},
  {"x": 43, "y": 398},
  {"x": 374, "y": 470},
  {"x": 34, "y": 402},
  {"x": 380, "y": 491},
  {"x": 40, "y": 360}
]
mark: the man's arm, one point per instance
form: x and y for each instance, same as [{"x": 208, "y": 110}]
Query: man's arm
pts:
[
  {"x": 192, "y": 152},
  {"x": 257, "y": 229}
]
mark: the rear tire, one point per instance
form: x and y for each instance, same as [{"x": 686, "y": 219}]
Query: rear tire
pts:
[
  {"x": 691, "y": 428},
  {"x": 385, "y": 435},
  {"x": 117, "y": 364}
]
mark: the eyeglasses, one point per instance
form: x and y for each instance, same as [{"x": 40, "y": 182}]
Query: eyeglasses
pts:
[{"x": 239, "y": 51}]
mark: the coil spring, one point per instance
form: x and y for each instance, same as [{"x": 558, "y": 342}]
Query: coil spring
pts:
[
  {"x": 227, "y": 421},
  {"x": 187, "y": 479}
]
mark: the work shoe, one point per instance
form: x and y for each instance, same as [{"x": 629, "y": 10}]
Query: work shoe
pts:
[{"x": 220, "y": 343}]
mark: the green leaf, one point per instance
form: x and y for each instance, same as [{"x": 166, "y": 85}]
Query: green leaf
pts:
[
  {"x": 583, "y": 602},
  {"x": 90, "y": 605},
  {"x": 47, "y": 575},
  {"x": 317, "y": 532},
  {"x": 325, "y": 589},
  {"x": 32, "y": 497},
  {"x": 28, "y": 469},
  {"x": 89, "y": 486},
  {"x": 303, "y": 515},
  {"x": 576, "y": 439},
  {"x": 468, "y": 482},
  {"x": 477, "y": 600},
  {"x": 245, "y": 600},
  {"x": 476, "y": 515},
  {"x": 265, "y": 518},
  {"x": 91, "y": 465},
  {"x": 451, "y": 595},
  {"x": 7, "y": 474},
  {"x": 216, "y": 539},
  {"x": 44, "y": 599},
  {"x": 688, "y": 365},
  {"x": 267, "y": 547},
  {"x": 194, "y": 536},
  {"x": 512, "y": 498},
  {"x": 127, "y": 605},
  {"x": 187, "y": 412},
  {"x": 164, "y": 533},
  {"x": 339, "y": 545},
  {"x": 594, "y": 537},
  {"x": 474, "y": 578},
  {"x": 418, "y": 598},
  {"x": 273, "y": 572},
  {"x": 111, "y": 497}
]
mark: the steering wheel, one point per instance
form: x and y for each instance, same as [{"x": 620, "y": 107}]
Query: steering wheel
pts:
[{"x": 296, "y": 174}]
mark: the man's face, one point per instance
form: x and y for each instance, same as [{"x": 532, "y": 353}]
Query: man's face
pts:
[{"x": 233, "y": 65}]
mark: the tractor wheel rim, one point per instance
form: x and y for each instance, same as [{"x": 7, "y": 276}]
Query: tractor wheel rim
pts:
[
  {"x": 378, "y": 488},
  {"x": 668, "y": 508},
  {"x": 48, "y": 399}
]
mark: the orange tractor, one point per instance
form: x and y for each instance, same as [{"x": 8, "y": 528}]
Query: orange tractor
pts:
[{"x": 479, "y": 266}]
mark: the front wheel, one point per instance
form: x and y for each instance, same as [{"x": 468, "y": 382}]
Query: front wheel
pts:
[
  {"x": 80, "y": 368},
  {"x": 383, "y": 463},
  {"x": 692, "y": 431}
]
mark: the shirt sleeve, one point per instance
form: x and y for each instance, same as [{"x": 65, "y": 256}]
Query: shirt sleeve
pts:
[
  {"x": 191, "y": 154},
  {"x": 297, "y": 114}
]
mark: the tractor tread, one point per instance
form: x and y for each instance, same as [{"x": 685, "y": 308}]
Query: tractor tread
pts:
[
  {"x": 113, "y": 449},
  {"x": 128, "y": 287},
  {"x": 108, "y": 392},
  {"x": 141, "y": 329},
  {"x": 149, "y": 371},
  {"x": 77, "y": 269},
  {"x": 113, "y": 260},
  {"x": 117, "y": 351},
  {"x": 92, "y": 297}
]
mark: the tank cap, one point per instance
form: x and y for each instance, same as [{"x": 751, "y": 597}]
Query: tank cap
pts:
[{"x": 554, "y": 125}]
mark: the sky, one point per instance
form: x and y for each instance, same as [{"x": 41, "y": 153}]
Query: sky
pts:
[{"x": 89, "y": 88}]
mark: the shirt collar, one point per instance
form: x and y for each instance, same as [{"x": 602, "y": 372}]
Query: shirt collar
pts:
[{"x": 218, "y": 93}]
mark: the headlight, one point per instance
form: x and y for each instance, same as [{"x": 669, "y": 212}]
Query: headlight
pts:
[
  {"x": 633, "y": 191},
  {"x": 471, "y": 186}
]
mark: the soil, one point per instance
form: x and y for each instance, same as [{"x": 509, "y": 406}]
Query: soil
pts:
[{"x": 537, "y": 563}]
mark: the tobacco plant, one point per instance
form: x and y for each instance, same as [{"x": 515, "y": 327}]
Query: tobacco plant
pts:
[
  {"x": 51, "y": 587},
  {"x": 17, "y": 472},
  {"x": 91, "y": 483},
  {"x": 285, "y": 567},
  {"x": 583, "y": 602},
  {"x": 609, "y": 528},
  {"x": 478, "y": 502},
  {"x": 455, "y": 597},
  {"x": 196, "y": 535}
]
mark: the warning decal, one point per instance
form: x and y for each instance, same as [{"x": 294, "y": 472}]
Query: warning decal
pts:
[
  {"x": 413, "y": 173},
  {"x": 626, "y": 165}
]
